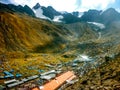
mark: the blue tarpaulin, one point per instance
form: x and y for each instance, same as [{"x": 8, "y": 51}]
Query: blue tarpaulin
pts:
[
  {"x": 8, "y": 74},
  {"x": 18, "y": 75}
]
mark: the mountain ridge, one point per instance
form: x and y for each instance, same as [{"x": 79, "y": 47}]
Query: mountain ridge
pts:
[
  {"x": 92, "y": 15},
  {"x": 10, "y": 7}
]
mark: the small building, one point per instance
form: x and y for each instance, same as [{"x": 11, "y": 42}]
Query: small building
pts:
[
  {"x": 32, "y": 77},
  {"x": 48, "y": 65},
  {"x": 15, "y": 84},
  {"x": 49, "y": 72},
  {"x": 18, "y": 75},
  {"x": 10, "y": 81},
  {"x": 48, "y": 77},
  {"x": 57, "y": 82},
  {"x": 8, "y": 74}
]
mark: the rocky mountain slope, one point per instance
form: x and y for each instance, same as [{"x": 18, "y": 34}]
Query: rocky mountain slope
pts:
[
  {"x": 22, "y": 32},
  {"x": 104, "y": 77},
  {"x": 10, "y": 7}
]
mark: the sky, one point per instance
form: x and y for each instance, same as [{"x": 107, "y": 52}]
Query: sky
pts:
[{"x": 70, "y": 5}]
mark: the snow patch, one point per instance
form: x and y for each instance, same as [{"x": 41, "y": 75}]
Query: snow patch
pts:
[
  {"x": 80, "y": 14},
  {"x": 58, "y": 18},
  {"x": 39, "y": 13},
  {"x": 100, "y": 25}
]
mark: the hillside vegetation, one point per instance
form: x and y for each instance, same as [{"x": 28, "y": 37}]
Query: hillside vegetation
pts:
[
  {"x": 20, "y": 32},
  {"x": 104, "y": 77}
]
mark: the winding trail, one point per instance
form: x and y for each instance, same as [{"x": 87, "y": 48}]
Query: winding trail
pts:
[{"x": 99, "y": 33}]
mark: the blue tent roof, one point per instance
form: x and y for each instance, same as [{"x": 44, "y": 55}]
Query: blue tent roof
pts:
[
  {"x": 9, "y": 76},
  {"x": 7, "y": 73},
  {"x": 18, "y": 75}
]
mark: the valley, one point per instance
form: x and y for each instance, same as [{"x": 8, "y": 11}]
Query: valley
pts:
[{"x": 30, "y": 45}]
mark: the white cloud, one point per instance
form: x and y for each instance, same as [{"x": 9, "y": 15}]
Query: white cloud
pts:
[
  {"x": 64, "y": 5},
  {"x": 69, "y": 5},
  {"x": 94, "y": 4}
]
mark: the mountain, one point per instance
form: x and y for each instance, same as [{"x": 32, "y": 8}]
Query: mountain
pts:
[
  {"x": 45, "y": 12},
  {"x": 91, "y": 16},
  {"x": 75, "y": 27},
  {"x": 22, "y": 32},
  {"x": 106, "y": 17},
  {"x": 26, "y": 9},
  {"x": 69, "y": 18},
  {"x": 77, "y": 14},
  {"x": 82, "y": 31},
  {"x": 109, "y": 16},
  {"x": 51, "y": 14},
  {"x": 37, "y": 6}
]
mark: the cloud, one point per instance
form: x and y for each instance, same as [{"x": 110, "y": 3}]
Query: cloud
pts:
[{"x": 93, "y": 4}]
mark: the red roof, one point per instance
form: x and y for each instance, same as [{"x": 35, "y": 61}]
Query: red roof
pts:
[
  {"x": 36, "y": 88},
  {"x": 58, "y": 81}
]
